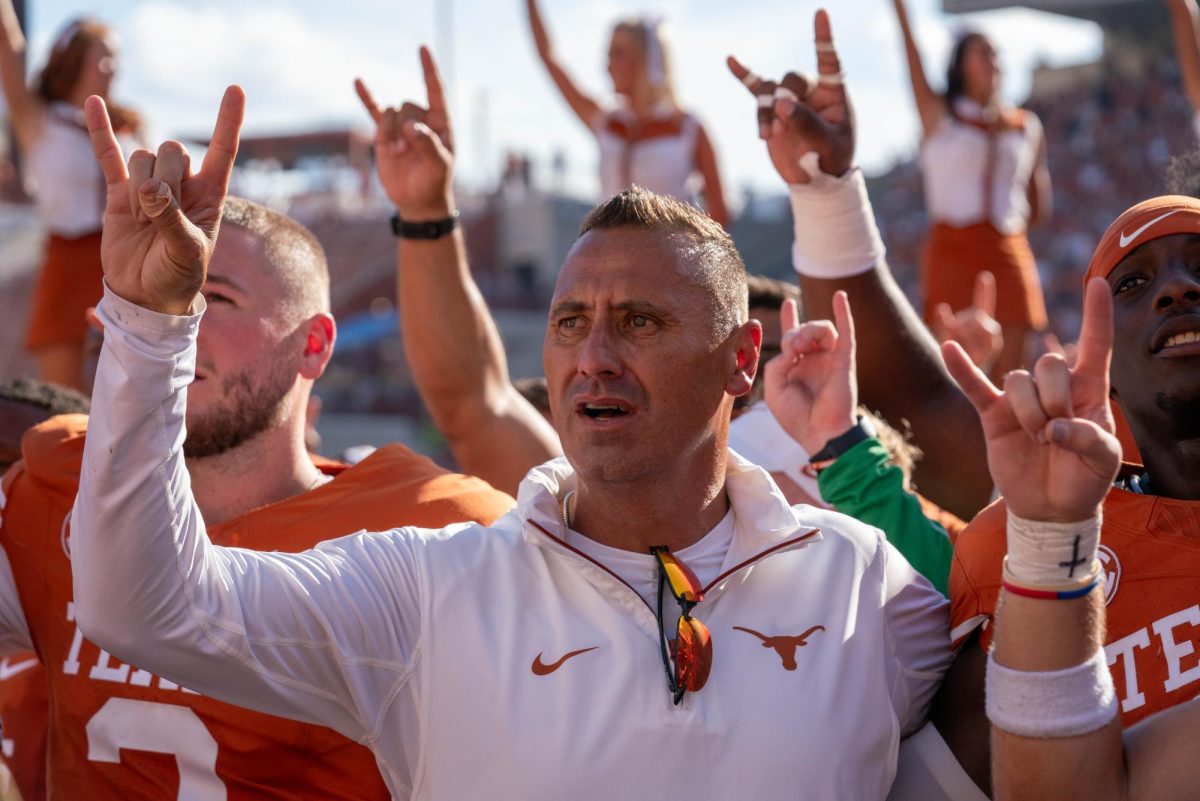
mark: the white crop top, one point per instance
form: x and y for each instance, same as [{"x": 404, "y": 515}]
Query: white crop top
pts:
[
  {"x": 68, "y": 182},
  {"x": 660, "y": 157},
  {"x": 973, "y": 174}
]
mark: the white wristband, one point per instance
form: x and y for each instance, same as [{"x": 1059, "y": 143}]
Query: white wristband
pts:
[
  {"x": 1052, "y": 554},
  {"x": 1056, "y": 703},
  {"x": 836, "y": 236}
]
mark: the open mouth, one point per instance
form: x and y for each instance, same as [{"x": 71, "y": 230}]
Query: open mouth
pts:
[
  {"x": 601, "y": 411},
  {"x": 604, "y": 409}
]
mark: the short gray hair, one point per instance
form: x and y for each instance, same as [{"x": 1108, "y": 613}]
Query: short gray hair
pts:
[{"x": 720, "y": 268}]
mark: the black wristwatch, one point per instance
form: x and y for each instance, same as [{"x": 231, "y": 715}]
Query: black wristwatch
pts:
[
  {"x": 429, "y": 229},
  {"x": 861, "y": 430}
]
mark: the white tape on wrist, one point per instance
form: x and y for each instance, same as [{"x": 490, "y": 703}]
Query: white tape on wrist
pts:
[
  {"x": 1056, "y": 703},
  {"x": 836, "y": 236},
  {"x": 1052, "y": 554}
]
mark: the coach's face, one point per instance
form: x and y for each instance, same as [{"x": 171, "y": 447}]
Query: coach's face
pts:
[
  {"x": 1156, "y": 350},
  {"x": 640, "y": 380}
]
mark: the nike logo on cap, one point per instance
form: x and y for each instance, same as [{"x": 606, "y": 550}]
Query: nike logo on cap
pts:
[
  {"x": 1126, "y": 240},
  {"x": 8, "y": 670},
  {"x": 539, "y": 668}
]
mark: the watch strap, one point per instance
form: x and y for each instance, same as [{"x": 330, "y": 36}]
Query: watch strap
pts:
[
  {"x": 860, "y": 431},
  {"x": 425, "y": 229}
]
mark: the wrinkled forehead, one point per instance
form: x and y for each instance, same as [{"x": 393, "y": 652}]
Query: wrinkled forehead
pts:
[{"x": 659, "y": 265}]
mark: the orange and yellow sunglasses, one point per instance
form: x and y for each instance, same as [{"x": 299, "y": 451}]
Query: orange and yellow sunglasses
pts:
[{"x": 688, "y": 670}]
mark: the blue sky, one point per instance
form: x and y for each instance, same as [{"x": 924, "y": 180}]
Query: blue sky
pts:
[{"x": 297, "y": 59}]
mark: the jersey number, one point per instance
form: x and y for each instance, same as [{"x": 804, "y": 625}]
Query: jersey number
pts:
[{"x": 162, "y": 729}]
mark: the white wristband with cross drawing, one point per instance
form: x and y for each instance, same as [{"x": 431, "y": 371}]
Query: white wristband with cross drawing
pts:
[{"x": 1052, "y": 555}]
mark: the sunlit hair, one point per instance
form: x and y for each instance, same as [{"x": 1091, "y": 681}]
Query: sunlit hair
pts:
[
  {"x": 290, "y": 251},
  {"x": 956, "y": 79},
  {"x": 58, "y": 79},
  {"x": 719, "y": 266},
  {"x": 898, "y": 443},
  {"x": 655, "y": 76}
]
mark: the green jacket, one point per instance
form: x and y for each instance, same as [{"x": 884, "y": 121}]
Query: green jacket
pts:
[{"x": 863, "y": 485}]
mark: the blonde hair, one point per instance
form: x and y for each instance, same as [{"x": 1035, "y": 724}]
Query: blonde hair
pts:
[{"x": 656, "y": 78}]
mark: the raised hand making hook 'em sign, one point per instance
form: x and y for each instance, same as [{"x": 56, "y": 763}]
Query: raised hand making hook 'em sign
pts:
[
  {"x": 414, "y": 148},
  {"x": 798, "y": 115},
  {"x": 1050, "y": 441},
  {"x": 160, "y": 218},
  {"x": 811, "y": 386}
]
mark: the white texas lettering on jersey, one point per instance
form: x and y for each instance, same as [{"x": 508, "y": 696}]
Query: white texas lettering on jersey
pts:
[
  {"x": 104, "y": 670},
  {"x": 1172, "y": 650}
]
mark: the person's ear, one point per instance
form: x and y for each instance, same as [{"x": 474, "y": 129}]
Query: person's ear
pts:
[
  {"x": 319, "y": 332},
  {"x": 747, "y": 340}
]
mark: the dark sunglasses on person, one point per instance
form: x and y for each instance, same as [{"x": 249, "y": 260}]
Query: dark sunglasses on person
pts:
[{"x": 688, "y": 670}]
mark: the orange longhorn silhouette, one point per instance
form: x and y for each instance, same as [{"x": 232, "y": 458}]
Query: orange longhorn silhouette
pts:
[{"x": 784, "y": 646}]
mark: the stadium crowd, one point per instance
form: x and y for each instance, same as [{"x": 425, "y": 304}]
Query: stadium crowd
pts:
[{"x": 746, "y": 539}]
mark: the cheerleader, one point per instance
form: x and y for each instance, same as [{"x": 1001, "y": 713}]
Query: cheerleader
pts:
[
  {"x": 986, "y": 181},
  {"x": 645, "y": 137},
  {"x": 47, "y": 117}
]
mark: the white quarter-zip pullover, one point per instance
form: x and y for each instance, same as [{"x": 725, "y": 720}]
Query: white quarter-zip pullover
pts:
[{"x": 500, "y": 661}]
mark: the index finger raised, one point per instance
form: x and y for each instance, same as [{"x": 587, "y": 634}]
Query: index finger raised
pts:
[
  {"x": 744, "y": 74},
  {"x": 789, "y": 316},
  {"x": 104, "y": 141},
  {"x": 984, "y": 297},
  {"x": 222, "y": 150},
  {"x": 970, "y": 379},
  {"x": 368, "y": 100},
  {"x": 843, "y": 318},
  {"x": 1096, "y": 331}
]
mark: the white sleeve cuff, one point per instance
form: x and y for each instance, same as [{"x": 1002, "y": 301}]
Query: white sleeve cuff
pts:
[
  {"x": 836, "y": 235},
  {"x": 165, "y": 330}
]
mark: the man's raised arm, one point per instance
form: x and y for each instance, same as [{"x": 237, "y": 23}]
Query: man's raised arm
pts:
[
  {"x": 267, "y": 631},
  {"x": 1050, "y": 698},
  {"x": 808, "y": 125},
  {"x": 450, "y": 340}
]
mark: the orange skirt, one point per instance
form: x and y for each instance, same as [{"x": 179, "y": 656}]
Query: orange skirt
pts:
[
  {"x": 952, "y": 257},
  {"x": 71, "y": 280}
]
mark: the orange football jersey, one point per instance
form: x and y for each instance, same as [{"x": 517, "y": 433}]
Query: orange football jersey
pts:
[
  {"x": 117, "y": 732},
  {"x": 1150, "y": 551},
  {"x": 23, "y": 705}
]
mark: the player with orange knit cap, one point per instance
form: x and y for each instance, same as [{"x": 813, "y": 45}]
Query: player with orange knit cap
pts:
[{"x": 1148, "y": 548}]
